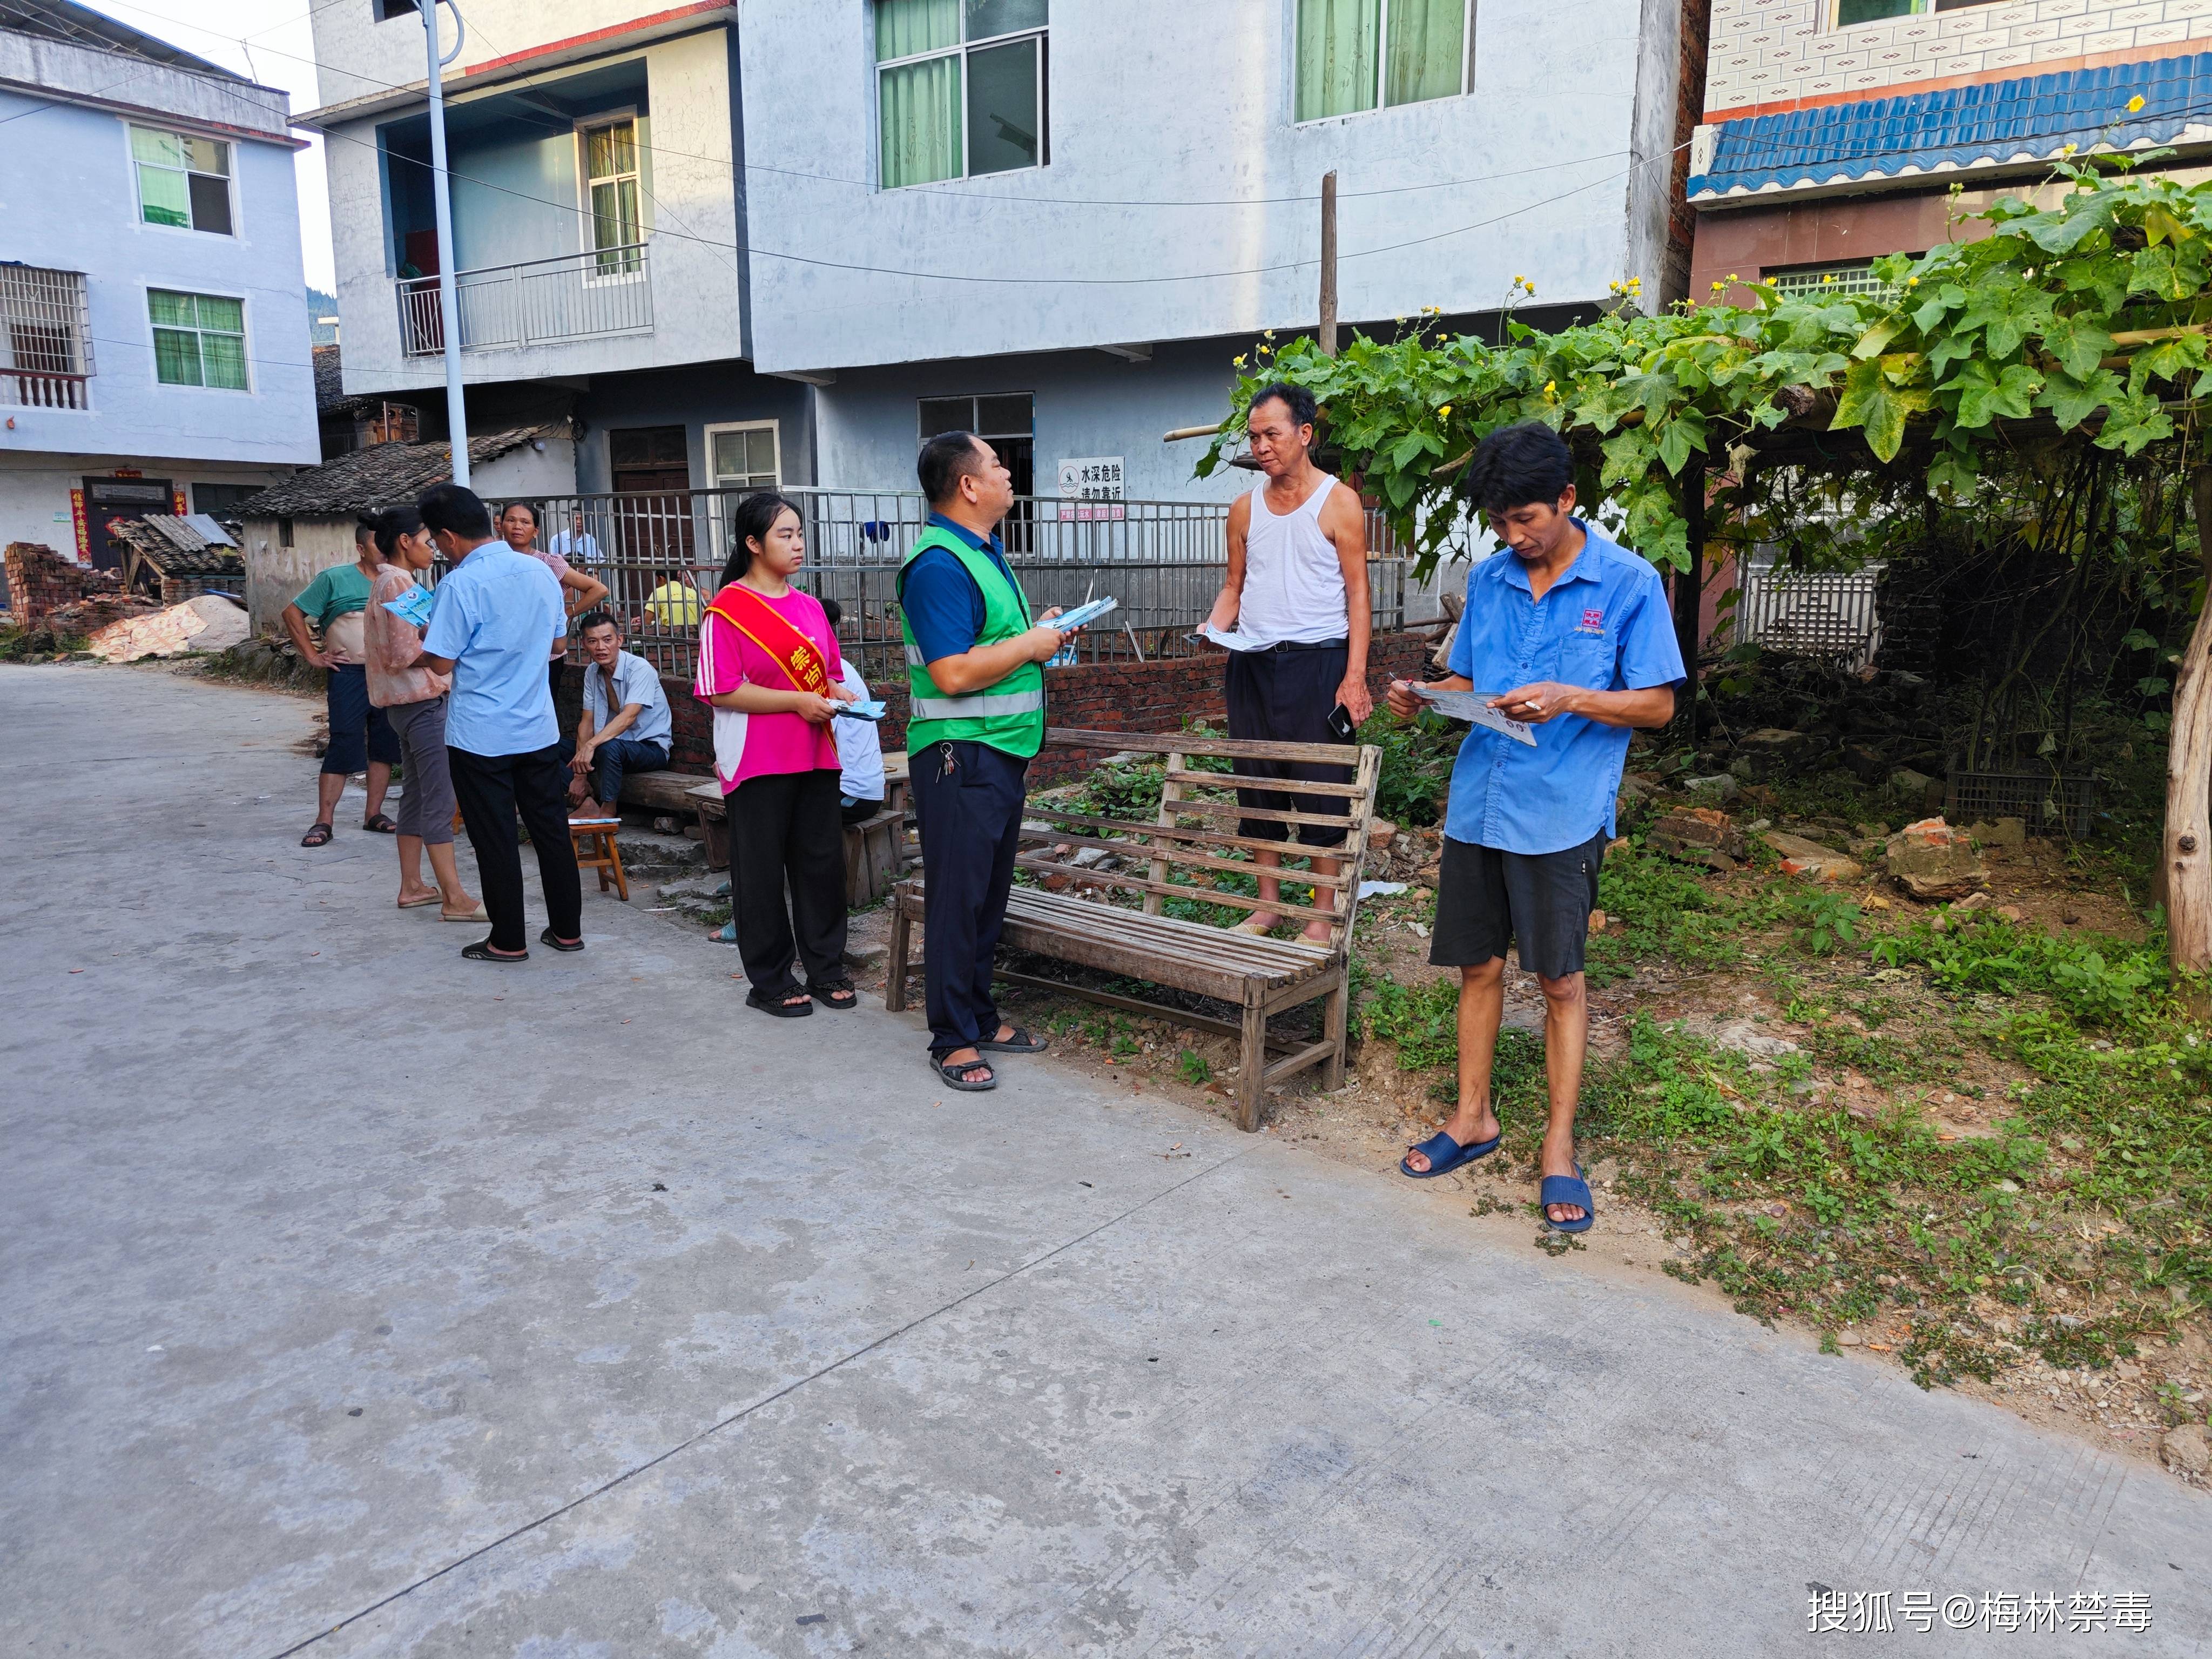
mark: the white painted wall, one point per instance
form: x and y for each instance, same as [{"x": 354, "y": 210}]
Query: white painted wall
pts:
[
  {"x": 69, "y": 198},
  {"x": 688, "y": 207},
  {"x": 1154, "y": 99}
]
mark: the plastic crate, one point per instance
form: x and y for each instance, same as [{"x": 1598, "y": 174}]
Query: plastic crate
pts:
[{"x": 2042, "y": 799}]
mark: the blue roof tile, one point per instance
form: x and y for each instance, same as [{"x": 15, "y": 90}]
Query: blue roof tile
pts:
[{"x": 1993, "y": 121}]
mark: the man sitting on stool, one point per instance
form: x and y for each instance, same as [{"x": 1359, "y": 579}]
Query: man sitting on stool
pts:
[
  {"x": 860, "y": 750},
  {"x": 633, "y": 737},
  {"x": 1296, "y": 590}
]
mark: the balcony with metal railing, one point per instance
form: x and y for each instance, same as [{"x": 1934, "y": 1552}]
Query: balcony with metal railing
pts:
[
  {"x": 574, "y": 296},
  {"x": 45, "y": 338}
]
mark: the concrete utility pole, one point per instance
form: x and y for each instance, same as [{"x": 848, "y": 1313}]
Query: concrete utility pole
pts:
[
  {"x": 449, "y": 306},
  {"x": 1328, "y": 263}
]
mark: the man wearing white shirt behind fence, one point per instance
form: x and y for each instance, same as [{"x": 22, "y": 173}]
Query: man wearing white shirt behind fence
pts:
[{"x": 1297, "y": 597}]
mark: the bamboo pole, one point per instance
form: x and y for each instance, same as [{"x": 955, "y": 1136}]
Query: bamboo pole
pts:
[{"x": 1328, "y": 263}]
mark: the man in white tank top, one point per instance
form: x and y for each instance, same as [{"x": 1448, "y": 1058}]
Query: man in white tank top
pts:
[{"x": 1297, "y": 598}]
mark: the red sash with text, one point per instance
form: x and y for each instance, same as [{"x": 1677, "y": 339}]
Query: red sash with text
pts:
[{"x": 798, "y": 657}]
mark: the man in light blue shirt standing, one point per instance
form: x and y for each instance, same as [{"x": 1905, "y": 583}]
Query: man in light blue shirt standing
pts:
[
  {"x": 1570, "y": 632},
  {"x": 497, "y": 614}
]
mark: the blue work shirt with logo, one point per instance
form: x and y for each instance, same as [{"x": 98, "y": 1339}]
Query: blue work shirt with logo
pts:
[{"x": 1604, "y": 624}]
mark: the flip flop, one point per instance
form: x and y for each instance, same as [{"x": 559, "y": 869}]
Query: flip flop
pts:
[
  {"x": 319, "y": 835},
  {"x": 1444, "y": 1154},
  {"x": 380, "y": 825},
  {"x": 949, "y": 1072},
  {"x": 829, "y": 996},
  {"x": 1020, "y": 1043},
  {"x": 775, "y": 1004},
  {"x": 561, "y": 944},
  {"x": 1566, "y": 1189},
  {"x": 416, "y": 904},
  {"x": 478, "y": 915},
  {"x": 726, "y": 934},
  {"x": 1249, "y": 930},
  {"x": 481, "y": 952}
]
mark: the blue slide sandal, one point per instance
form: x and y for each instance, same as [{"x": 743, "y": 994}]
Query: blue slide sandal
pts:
[
  {"x": 1444, "y": 1155},
  {"x": 1566, "y": 1189}
]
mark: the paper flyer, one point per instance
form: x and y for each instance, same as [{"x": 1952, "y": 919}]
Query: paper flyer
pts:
[
  {"x": 1083, "y": 614},
  {"x": 413, "y": 607},
  {"x": 1474, "y": 708}
]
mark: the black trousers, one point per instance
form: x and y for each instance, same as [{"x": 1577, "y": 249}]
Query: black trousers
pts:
[
  {"x": 968, "y": 805},
  {"x": 785, "y": 826},
  {"x": 492, "y": 789},
  {"x": 1286, "y": 696}
]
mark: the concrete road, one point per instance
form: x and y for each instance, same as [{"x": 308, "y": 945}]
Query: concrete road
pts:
[{"x": 359, "y": 1300}]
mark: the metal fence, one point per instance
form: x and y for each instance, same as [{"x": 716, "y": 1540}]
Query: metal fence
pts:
[
  {"x": 45, "y": 338},
  {"x": 1824, "y": 614},
  {"x": 661, "y": 557},
  {"x": 605, "y": 291}
]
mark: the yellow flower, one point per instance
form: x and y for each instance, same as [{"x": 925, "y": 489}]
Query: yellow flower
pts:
[
  {"x": 1827, "y": 279},
  {"x": 1239, "y": 360},
  {"x": 1912, "y": 282},
  {"x": 1550, "y": 388},
  {"x": 1443, "y": 410},
  {"x": 1733, "y": 277},
  {"x": 2066, "y": 149},
  {"x": 2135, "y": 103},
  {"x": 1266, "y": 333},
  {"x": 1718, "y": 286}
]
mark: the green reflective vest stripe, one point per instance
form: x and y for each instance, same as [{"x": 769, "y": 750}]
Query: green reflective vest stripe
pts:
[{"x": 1008, "y": 715}]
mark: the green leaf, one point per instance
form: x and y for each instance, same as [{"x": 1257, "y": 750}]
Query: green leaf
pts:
[
  {"x": 1408, "y": 449},
  {"x": 1628, "y": 455},
  {"x": 1983, "y": 397},
  {"x": 1870, "y": 402},
  {"x": 1871, "y": 342},
  {"x": 2134, "y": 421},
  {"x": 2073, "y": 400},
  {"x": 2138, "y": 640},
  {"x": 2077, "y": 342}
]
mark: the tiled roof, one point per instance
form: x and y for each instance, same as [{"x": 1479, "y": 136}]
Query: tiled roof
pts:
[
  {"x": 176, "y": 547},
  {"x": 1994, "y": 124},
  {"x": 382, "y": 475},
  {"x": 329, "y": 380}
]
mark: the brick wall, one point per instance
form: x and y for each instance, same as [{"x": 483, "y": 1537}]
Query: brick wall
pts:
[
  {"x": 40, "y": 579},
  {"x": 1695, "y": 52},
  {"x": 1158, "y": 696}
]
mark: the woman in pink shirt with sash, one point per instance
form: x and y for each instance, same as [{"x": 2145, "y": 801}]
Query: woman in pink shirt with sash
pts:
[{"x": 768, "y": 667}]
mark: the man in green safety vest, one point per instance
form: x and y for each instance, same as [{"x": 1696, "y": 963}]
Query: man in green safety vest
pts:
[{"x": 975, "y": 678}]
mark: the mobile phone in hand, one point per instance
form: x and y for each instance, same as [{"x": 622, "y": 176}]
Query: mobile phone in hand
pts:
[{"x": 1340, "y": 725}]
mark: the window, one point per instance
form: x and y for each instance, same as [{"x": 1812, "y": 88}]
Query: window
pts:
[
  {"x": 388, "y": 10},
  {"x": 46, "y": 348},
  {"x": 960, "y": 87},
  {"x": 610, "y": 186},
  {"x": 222, "y": 501},
  {"x": 742, "y": 456},
  {"x": 1007, "y": 423},
  {"x": 182, "y": 180},
  {"x": 199, "y": 339},
  {"x": 1852, "y": 277},
  {"x": 1354, "y": 55},
  {"x": 1849, "y": 12}
]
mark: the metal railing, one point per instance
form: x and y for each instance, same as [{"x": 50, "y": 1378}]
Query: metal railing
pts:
[
  {"x": 573, "y": 296},
  {"x": 661, "y": 556},
  {"x": 45, "y": 338},
  {"x": 1811, "y": 614}
]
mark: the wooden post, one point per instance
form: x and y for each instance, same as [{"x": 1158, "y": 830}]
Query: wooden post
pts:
[
  {"x": 1328, "y": 263},
  {"x": 2188, "y": 861},
  {"x": 1689, "y": 584}
]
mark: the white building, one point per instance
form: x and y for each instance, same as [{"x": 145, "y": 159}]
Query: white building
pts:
[
  {"x": 788, "y": 250},
  {"x": 153, "y": 308}
]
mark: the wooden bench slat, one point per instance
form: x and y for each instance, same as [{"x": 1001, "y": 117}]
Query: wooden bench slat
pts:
[
  {"x": 1169, "y": 889},
  {"x": 1184, "y": 743},
  {"x": 1280, "y": 786},
  {"x": 1182, "y": 859},
  {"x": 1249, "y": 951},
  {"x": 1179, "y": 832},
  {"x": 1222, "y": 810}
]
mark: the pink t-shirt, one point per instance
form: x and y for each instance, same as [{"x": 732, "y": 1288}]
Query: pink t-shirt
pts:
[
  {"x": 559, "y": 566},
  {"x": 758, "y": 745}
]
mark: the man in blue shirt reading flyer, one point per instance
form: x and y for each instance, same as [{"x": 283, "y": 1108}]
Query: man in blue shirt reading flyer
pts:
[{"x": 1568, "y": 632}]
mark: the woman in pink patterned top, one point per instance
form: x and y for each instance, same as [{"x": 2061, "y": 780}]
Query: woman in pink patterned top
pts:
[
  {"x": 517, "y": 524},
  {"x": 413, "y": 698},
  {"x": 768, "y": 667}
]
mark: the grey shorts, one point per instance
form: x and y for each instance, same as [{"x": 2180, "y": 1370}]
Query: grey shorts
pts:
[
  {"x": 1541, "y": 902},
  {"x": 426, "y": 801}
]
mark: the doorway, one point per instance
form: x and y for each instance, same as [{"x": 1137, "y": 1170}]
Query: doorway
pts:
[
  {"x": 651, "y": 468},
  {"x": 106, "y": 500}
]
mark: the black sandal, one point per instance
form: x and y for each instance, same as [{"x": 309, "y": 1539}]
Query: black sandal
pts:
[
  {"x": 793, "y": 1004},
  {"x": 379, "y": 825},
  {"x": 481, "y": 952},
  {"x": 950, "y": 1070},
  {"x": 1020, "y": 1043},
  {"x": 840, "y": 995},
  {"x": 318, "y": 836},
  {"x": 558, "y": 944}
]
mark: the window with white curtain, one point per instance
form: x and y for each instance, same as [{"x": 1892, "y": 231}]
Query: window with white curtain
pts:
[
  {"x": 610, "y": 184},
  {"x": 960, "y": 87},
  {"x": 1355, "y": 55}
]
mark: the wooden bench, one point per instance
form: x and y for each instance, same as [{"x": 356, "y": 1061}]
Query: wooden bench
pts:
[
  {"x": 1179, "y": 854},
  {"x": 875, "y": 847}
]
